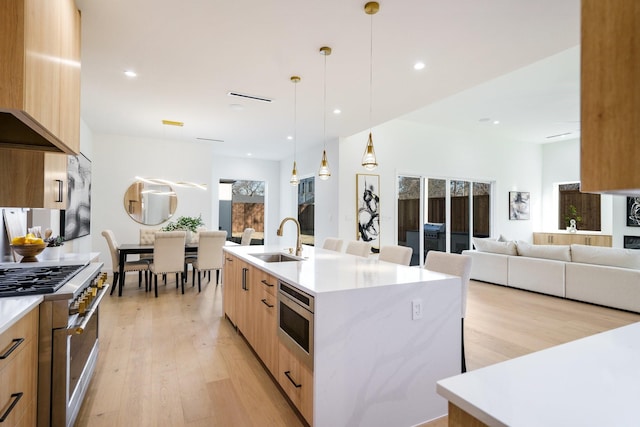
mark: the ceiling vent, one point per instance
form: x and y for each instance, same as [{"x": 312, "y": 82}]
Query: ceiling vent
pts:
[
  {"x": 253, "y": 97},
  {"x": 210, "y": 139}
]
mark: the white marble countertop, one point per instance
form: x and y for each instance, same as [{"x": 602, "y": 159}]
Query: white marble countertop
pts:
[
  {"x": 329, "y": 271},
  {"x": 13, "y": 309},
  {"x": 593, "y": 381}
]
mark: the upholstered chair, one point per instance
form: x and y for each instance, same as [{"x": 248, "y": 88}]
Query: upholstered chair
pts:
[
  {"x": 359, "y": 248},
  {"x": 333, "y": 244},
  {"x": 396, "y": 254},
  {"x": 139, "y": 266},
  {"x": 209, "y": 255},
  {"x": 246, "y": 236},
  {"x": 456, "y": 265},
  {"x": 147, "y": 237},
  {"x": 168, "y": 256}
]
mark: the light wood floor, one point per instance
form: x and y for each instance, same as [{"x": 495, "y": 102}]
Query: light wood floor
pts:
[{"x": 175, "y": 361}]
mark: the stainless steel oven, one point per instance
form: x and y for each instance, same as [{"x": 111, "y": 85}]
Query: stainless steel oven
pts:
[
  {"x": 295, "y": 321},
  {"x": 69, "y": 345}
]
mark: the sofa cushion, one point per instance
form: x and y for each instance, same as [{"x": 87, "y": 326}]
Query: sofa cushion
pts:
[
  {"x": 493, "y": 246},
  {"x": 555, "y": 252},
  {"x": 599, "y": 255}
]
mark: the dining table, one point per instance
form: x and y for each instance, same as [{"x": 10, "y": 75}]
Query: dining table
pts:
[{"x": 127, "y": 249}]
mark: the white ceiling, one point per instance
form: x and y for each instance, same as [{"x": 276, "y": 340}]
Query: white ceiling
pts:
[{"x": 515, "y": 61}]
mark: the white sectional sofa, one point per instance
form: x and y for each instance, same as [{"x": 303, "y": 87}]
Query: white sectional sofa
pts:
[{"x": 594, "y": 274}]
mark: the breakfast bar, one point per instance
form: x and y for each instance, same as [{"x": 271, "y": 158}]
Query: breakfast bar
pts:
[{"x": 382, "y": 334}]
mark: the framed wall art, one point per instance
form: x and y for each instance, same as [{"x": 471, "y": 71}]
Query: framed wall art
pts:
[
  {"x": 633, "y": 211},
  {"x": 368, "y": 209},
  {"x": 76, "y": 219},
  {"x": 518, "y": 205}
]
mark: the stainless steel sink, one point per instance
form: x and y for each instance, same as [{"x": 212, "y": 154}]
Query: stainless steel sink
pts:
[{"x": 276, "y": 257}]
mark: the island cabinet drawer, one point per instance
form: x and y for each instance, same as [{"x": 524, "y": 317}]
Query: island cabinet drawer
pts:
[
  {"x": 268, "y": 282},
  {"x": 266, "y": 344},
  {"x": 18, "y": 385},
  {"x": 296, "y": 379}
]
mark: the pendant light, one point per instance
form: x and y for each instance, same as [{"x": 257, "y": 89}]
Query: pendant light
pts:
[
  {"x": 324, "y": 173},
  {"x": 294, "y": 173},
  {"x": 369, "y": 160}
]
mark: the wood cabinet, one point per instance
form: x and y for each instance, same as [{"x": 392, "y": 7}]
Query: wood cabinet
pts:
[
  {"x": 266, "y": 319},
  {"x": 237, "y": 292},
  {"x": 33, "y": 179},
  {"x": 610, "y": 96},
  {"x": 296, "y": 379},
  {"x": 18, "y": 371},
  {"x": 229, "y": 286},
  {"x": 572, "y": 238},
  {"x": 40, "y": 75}
]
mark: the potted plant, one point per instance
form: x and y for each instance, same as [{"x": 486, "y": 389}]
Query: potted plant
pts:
[
  {"x": 190, "y": 224},
  {"x": 53, "y": 248},
  {"x": 572, "y": 218}
]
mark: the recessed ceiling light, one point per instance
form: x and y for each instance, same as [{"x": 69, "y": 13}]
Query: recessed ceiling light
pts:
[
  {"x": 337, "y": 111},
  {"x": 496, "y": 122},
  {"x": 249, "y": 154},
  {"x": 418, "y": 65},
  {"x": 289, "y": 137},
  {"x": 130, "y": 73}
]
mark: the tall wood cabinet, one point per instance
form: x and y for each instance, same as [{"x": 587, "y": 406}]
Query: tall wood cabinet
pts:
[
  {"x": 18, "y": 371},
  {"x": 33, "y": 179},
  {"x": 610, "y": 96},
  {"x": 40, "y": 75},
  {"x": 572, "y": 238}
]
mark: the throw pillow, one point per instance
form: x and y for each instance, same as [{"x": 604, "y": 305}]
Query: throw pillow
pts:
[
  {"x": 493, "y": 246},
  {"x": 555, "y": 252}
]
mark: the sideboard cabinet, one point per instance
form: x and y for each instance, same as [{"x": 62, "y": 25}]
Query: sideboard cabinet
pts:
[{"x": 572, "y": 238}]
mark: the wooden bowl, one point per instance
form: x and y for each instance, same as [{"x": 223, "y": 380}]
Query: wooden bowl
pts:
[{"x": 29, "y": 252}]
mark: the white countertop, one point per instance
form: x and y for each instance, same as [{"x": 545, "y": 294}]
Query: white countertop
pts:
[
  {"x": 593, "y": 381},
  {"x": 13, "y": 309},
  {"x": 329, "y": 271}
]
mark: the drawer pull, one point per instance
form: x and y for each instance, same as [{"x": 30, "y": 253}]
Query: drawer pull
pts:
[
  {"x": 264, "y": 301},
  {"x": 15, "y": 397},
  {"x": 288, "y": 374},
  {"x": 267, "y": 283},
  {"x": 16, "y": 342}
]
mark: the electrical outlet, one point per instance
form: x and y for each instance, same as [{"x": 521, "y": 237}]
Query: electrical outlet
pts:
[{"x": 416, "y": 309}]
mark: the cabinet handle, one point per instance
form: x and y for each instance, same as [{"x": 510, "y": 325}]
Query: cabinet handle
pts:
[
  {"x": 267, "y": 283},
  {"x": 59, "y": 198},
  {"x": 288, "y": 374},
  {"x": 264, "y": 301},
  {"x": 15, "y": 397},
  {"x": 16, "y": 342},
  {"x": 244, "y": 279}
]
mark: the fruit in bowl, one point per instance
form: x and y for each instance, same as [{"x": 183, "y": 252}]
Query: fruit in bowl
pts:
[{"x": 28, "y": 247}]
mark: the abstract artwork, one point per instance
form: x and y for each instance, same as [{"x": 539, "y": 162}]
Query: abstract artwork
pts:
[
  {"x": 368, "y": 209},
  {"x": 76, "y": 219},
  {"x": 518, "y": 205},
  {"x": 633, "y": 211}
]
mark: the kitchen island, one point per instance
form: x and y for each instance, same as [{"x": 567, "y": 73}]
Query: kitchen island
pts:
[
  {"x": 375, "y": 362},
  {"x": 593, "y": 381}
]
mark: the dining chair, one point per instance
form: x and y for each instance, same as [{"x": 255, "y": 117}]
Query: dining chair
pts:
[
  {"x": 359, "y": 248},
  {"x": 246, "y": 236},
  {"x": 140, "y": 266},
  {"x": 147, "y": 237},
  {"x": 333, "y": 244},
  {"x": 456, "y": 265},
  {"x": 209, "y": 255},
  {"x": 396, "y": 254},
  {"x": 168, "y": 256}
]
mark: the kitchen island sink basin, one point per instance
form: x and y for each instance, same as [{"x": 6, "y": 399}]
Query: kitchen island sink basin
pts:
[{"x": 276, "y": 257}]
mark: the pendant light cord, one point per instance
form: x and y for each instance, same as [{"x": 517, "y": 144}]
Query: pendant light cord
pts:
[
  {"x": 324, "y": 106},
  {"x": 371, "y": 76},
  {"x": 295, "y": 119}
]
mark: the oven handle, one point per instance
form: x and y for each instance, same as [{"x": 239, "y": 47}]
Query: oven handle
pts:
[{"x": 77, "y": 330}]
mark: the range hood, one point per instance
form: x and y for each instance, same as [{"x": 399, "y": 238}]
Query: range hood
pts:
[{"x": 20, "y": 131}]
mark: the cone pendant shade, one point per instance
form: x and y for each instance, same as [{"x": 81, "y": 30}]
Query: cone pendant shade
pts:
[
  {"x": 369, "y": 160},
  {"x": 324, "y": 173}
]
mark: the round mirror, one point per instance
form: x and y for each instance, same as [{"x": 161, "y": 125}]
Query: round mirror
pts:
[{"x": 150, "y": 204}]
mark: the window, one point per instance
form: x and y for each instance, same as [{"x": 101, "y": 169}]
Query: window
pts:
[
  {"x": 583, "y": 207},
  {"x": 306, "y": 209},
  {"x": 241, "y": 205}
]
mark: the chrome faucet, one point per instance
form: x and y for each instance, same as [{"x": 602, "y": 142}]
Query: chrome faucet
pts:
[{"x": 298, "y": 245}]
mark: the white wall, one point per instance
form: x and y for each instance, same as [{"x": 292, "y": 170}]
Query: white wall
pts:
[{"x": 407, "y": 148}]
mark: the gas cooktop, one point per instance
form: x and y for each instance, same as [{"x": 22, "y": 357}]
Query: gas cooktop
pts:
[{"x": 20, "y": 281}]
